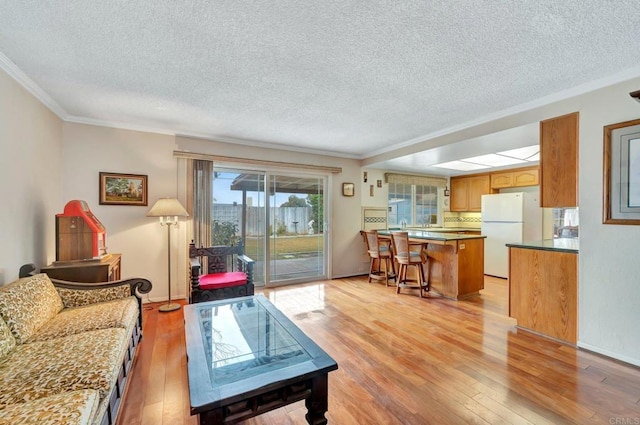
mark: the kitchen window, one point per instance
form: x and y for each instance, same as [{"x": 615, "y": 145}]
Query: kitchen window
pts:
[
  {"x": 413, "y": 200},
  {"x": 566, "y": 223}
]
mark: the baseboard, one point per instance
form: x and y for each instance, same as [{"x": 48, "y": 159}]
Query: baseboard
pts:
[
  {"x": 147, "y": 300},
  {"x": 609, "y": 354}
]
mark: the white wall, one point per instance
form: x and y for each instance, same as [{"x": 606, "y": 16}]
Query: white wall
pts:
[
  {"x": 30, "y": 178},
  {"x": 609, "y": 296},
  {"x": 140, "y": 239},
  {"x": 380, "y": 196}
]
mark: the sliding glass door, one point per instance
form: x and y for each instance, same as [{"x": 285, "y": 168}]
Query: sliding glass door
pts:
[
  {"x": 282, "y": 228},
  {"x": 296, "y": 228}
]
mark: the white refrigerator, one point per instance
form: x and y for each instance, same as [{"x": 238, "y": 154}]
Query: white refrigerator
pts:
[{"x": 508, "y": 218}]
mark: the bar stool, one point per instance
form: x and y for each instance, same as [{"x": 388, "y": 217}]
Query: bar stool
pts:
[
  {"x": 380, "y": 251},
  {"x": 406, "y": 258}
]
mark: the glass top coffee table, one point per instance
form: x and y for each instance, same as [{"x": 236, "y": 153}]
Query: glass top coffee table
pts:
[{"x": 245, "y": 358}]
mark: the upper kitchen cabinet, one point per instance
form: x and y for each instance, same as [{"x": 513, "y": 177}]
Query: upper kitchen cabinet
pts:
[
  {"x": 515, "y": 178},
  {"x": 466, "y": 192},
  {"x": 559, "y": 162},
  {"x": 459, "y": 194}
]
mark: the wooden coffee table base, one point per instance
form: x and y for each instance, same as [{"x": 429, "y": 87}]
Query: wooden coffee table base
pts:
[{"x": 313, "y": 390}]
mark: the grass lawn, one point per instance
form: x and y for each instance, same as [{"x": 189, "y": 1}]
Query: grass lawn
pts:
[{"x": 300, "y": 244}]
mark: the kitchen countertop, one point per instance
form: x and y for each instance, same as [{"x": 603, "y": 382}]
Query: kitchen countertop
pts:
[
  {"x": 561, "y": 245},
  {"x": 432, "y": 235},
  {"x": 444, "y": 229}
]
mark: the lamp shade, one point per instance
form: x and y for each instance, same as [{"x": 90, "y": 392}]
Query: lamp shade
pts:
[{"x": 165, "y": 207}]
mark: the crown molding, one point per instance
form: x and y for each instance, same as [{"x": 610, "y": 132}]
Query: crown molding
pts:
[
  {"x": 201, "y": 136},
  {"x": 268, "y": 145},
  {"x": 118, "y": 125},
  {"x": 17, "y": 74},
  {"x": 619, "y": 77}
]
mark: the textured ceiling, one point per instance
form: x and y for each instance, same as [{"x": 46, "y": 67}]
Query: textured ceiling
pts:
[{"x": 349, "y": 78}]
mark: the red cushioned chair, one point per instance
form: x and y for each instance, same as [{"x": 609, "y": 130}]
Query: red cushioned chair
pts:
[{"x": 219, "y": 272}]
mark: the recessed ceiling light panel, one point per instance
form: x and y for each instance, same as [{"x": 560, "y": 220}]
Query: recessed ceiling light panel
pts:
[
  {"x": 461, "y": 166},
  {"x": 493, "y": 160},
  {"x": 528, "y": 153}
]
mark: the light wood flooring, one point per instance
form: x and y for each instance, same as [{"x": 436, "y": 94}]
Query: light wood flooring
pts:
[{"x": 406, "y": 360}]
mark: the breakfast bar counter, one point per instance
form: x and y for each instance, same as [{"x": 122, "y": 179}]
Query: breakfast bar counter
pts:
[
  {"x": 456, "y": 261},
  {"x": 570, "y": 245}
]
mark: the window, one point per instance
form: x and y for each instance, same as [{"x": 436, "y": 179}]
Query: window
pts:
[
  {"x": 413, "y": 204},
  {"x": 565, "y": 223},
  {"x": 413, "y": 200}
]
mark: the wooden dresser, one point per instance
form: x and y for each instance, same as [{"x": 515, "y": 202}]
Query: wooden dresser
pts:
[{"x": 90, "y": 271}]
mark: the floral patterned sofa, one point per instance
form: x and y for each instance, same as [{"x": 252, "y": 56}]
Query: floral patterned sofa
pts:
[{"x": 66, "y": 348}]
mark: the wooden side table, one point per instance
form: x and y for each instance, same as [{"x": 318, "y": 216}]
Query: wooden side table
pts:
[{"x": 91, "y": 271}]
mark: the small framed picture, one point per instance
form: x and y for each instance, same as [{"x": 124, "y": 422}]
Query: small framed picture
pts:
[
  {"x": 621, "y": 204},
  {"x": 348, "y": 189},
  {"x": 379, "y": 182},
  {"x": 123, "y": 189}
]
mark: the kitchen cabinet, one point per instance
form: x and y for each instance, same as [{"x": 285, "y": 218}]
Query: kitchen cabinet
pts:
[
  {"x": 559, "y": 162},
  {"x": 543, "y": 289},
  {"x": 478, "y": 186},
  {"x": 459, "y": 194},
  {"x": 466, "y": 192},
  {"x": 516, "y": 178}
]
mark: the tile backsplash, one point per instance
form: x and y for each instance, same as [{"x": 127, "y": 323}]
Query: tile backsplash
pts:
[{"x": 462, "y": 219}]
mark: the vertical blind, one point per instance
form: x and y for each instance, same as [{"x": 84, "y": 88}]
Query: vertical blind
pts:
[{"x": 202, "y": 201}]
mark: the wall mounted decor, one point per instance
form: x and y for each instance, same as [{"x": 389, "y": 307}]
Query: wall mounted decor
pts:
[
  {"x": 621, "y": 203},
  {"x": 123, "y": 189},
  {"x": 348, "y": 189}
]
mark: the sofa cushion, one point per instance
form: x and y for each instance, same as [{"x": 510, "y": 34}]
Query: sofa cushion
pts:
[
  {"x": 90, "y": 360},
  {"x": 68, "y": 408},
  {"x": 222, "y": 280},
  {"x": 7, "y": 341},
  {"x": 27, "y": 304},
  {"x": 80, "y": 297},
  {"x": 121, "y": 313}
]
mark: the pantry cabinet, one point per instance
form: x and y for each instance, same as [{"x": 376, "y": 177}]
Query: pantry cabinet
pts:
[{"x": 559, "y": 162}]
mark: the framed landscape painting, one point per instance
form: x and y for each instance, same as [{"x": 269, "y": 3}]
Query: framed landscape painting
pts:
[
  {"x": 622, "y": 173},
  {"x": 123, "y": 189}
]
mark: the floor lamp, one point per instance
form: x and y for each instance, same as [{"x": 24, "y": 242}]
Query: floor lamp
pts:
[{"x": 168, "y": 209}]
